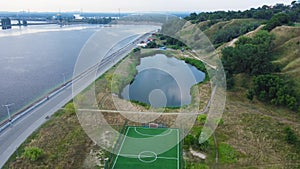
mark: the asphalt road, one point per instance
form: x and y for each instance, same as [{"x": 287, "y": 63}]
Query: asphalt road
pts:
[{"x": 12, "y": 137}]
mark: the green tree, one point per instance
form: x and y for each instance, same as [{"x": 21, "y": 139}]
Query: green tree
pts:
[
  {"x": 203, "y": 146},
  {"x": 277, "y": 20},
  {"x": 250, "y": 94},
  {"x": 290, "y": 136},
  {"x": 136, "y": 50},
  {"x": 273, "y": 89},
  {"x": 251, "y": 55},
  {"x": 152, "y": 45},
  {"x": 188, "y": 141},
  {"x": 232, "y": 31}
]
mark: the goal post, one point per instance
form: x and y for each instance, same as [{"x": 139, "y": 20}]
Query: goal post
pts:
[{"x": 153, "y": 125}]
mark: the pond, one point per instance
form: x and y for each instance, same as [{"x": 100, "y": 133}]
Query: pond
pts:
[{"x": 163, "y": 82}]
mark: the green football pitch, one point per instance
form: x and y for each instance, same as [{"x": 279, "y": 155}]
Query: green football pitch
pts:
[{"x": 149, "y": 148}]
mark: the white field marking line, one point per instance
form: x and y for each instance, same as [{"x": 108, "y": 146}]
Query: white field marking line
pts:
[
  {"x": 145, "y": 156},
  {"x": 129, "y": 155},
  {"x": 168, "y": 158},
  {"x": 120, "y": 147},
  {"x": 177, "y": 148},
  {"x": 159, "y": 135},
  {"x": 147, "y": 152},
  {"x": 136, "y": 156}
]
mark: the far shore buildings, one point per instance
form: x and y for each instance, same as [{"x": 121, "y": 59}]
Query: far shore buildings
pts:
[
  {"x": 6, "y": 23},
  {"x": 78, "y": 17}
]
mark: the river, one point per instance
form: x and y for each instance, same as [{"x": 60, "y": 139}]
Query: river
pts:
[{"x": 34, "y": 60}]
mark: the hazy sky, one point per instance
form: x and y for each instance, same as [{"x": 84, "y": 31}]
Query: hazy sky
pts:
[{"x": 132, "y": 5}]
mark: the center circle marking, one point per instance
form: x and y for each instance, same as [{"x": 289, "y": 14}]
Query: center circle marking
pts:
[{"x": 144, "y": 155}]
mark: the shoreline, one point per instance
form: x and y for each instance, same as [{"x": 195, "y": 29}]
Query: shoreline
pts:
[
  {"x": 15, "y": 135},
  {"x": 4, "y": 124}
]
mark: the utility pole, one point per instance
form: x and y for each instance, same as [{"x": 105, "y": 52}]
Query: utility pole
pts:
[
  {"x": 8, "y": 112},
  {"x": 64, "y": 76}
]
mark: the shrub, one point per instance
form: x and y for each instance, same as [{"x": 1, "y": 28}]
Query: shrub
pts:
[
  {"x": 33, "y": 153},
  {"x": 273, "y": 89},
  {"x": 290, "y": 136}
]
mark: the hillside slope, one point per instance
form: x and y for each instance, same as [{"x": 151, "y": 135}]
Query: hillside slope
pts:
[
  {"x": 256, "y": 129},
  {"x": 287, "y": 53}
]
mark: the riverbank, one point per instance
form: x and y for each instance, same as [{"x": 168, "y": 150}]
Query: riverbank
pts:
[
  {"x": 26, "y": 71},
  {"x": 57, "y": 136},
  {"x": 14, "y": 136}
]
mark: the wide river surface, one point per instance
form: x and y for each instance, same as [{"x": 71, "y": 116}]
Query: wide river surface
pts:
[{"x": 37, "y": 59}]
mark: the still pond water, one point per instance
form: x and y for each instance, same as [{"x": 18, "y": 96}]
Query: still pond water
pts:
[{"x": 163, "y": 82}]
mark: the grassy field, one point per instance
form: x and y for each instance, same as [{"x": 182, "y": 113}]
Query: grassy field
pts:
[
  {"x": 256, "y": 131},
  {"x": 147, "y": 151},
  {"x": 63, "y": 141},
  {"x": 250, "y": 136}
]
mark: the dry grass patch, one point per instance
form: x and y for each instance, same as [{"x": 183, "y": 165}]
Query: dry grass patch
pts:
[
  {"x": 63, "y": 141},
  {"x": 257, "y": 132}
]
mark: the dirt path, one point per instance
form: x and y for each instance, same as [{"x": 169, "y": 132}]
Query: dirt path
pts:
[{"x": 232, "y": 42}]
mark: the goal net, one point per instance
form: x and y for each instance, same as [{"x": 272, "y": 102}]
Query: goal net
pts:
[{"x": 153, "y": 125}]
